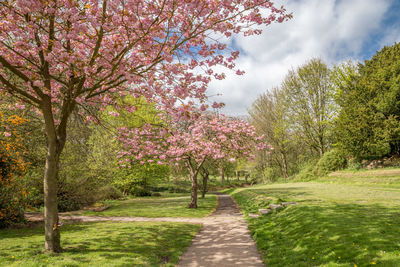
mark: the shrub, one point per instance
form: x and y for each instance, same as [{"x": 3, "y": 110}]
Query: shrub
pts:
[
  {"x": 173, "y": 188},
  {"x": 354, "y": 164},
  {"x": 76, "y": 192},
  {"x": 12, "y": 166},
  {"x": 108, "y": 192},
  {"x": 139, "y": 191},
  {"x": 329, "y": 162},
  {"x": 139, "y": 179},
  {"x": 306, "y": 172},
  {"x": 12, "y": 193}
]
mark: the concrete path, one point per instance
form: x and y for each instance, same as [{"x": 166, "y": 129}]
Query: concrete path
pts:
[{"x": 224, "y": 240}]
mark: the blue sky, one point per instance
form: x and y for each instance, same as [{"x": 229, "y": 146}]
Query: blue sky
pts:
[{"x": 334, "y": 30}]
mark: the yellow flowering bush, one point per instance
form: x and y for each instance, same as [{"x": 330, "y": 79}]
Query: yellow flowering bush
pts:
[{"x": 12, "y": 167}]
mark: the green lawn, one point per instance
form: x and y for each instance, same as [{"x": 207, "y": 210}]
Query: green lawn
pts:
[
  {"x": 100, "y": 244},
  {"x": 341, "y": 220},
  {"x": 171, "y": 206}
]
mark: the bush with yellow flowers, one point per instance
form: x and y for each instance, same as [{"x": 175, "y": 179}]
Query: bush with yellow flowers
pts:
[{"x": 12, "y": 167}]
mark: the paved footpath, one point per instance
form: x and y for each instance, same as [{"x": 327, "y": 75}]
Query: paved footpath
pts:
[{"x": 224, "y": 240}]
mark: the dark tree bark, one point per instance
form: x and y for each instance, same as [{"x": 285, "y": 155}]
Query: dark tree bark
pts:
[
  {"x": 204, "y": 175},
  {"x": 194, "y": 169},
  {"x": 193, "y": 194},
  {"x": 284, "y": 167}
]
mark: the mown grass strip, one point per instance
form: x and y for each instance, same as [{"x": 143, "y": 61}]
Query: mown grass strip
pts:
[
  {"x": 100, "y": 244},
  {"x": 173, "y": 206}
]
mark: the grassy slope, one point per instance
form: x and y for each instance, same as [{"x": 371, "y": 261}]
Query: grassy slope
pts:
[
  {"x": 172, "y": 206},
  {"x": 100, "y": 244},
  {"x": 340, "y": 221}
]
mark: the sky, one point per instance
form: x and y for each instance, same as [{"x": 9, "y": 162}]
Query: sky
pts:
[{"x": 333, "y": 30}]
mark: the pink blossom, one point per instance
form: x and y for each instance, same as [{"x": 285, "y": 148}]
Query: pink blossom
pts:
[{"x": 113, "y": 113}]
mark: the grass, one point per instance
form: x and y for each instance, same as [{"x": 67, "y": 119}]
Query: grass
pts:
[
  {"x": 100, "y": 244},
  {"x": 171, "y": 206},
  {"x": 341, "y": 220}
]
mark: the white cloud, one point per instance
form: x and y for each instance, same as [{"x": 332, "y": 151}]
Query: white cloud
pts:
[{"x": 332, "y": 30}]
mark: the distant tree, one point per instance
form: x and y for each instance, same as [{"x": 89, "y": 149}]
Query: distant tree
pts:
[
  {"x": 308, "y": 94},
  {"x": 270, "y": 117}
]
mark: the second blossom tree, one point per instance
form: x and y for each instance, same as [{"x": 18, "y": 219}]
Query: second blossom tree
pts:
[{"x": 192, "y": 140}]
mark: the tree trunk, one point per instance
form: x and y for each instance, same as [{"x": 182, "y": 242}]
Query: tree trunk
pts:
[
  {"x": 222, "y": 177},
  {"x": 204, "y": 189},
  {"x": 56, "y": 138},
  {"x": 51, "y": 223},
  {"x": 284, "y": 167},
  {"x": 246, "y": 176},
  {"x": 193, "y": 196}
]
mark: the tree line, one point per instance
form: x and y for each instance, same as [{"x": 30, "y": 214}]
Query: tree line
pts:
[{"x": 323, "y": 118}]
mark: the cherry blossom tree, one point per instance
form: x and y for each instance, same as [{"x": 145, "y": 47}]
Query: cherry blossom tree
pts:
[
  {"x": 192, "y": 141},
  {"x": 60, "y": 56}
]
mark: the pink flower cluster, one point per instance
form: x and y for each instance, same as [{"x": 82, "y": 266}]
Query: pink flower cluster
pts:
[{"x": 94, "y": 51}]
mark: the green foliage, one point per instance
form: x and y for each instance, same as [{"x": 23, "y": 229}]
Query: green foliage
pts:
[
  {"x": 12, "y": 192},
  {"x": 306, "y": 172},
  {"x": 295, "y": 119},
  {"x": 308, "y": 96},
  {"x": 329, "y": 162},
  {"x": 270, "y": 117},
  {"x": 179, "y": 188},
  {"x": 100, "y": 244},
  {"x": 139, "y": 179},
  {"x": 368, "y": 124},
  {"x": 354, "y": 164},
  {"x": 89, "y": 166}
]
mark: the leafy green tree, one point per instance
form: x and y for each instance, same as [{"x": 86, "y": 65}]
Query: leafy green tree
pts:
[
  {"x": 308, "y": 94},
  {"x": 368, "y": 124},
  {"x": 270, "y": 117}
]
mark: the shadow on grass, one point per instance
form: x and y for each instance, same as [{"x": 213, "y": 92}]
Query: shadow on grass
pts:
[
  {"x": 329, "y": 234},
  {"x": 251, "y": 200},
  {"x": 121, "y": 244},
  {"x": 286, "y": 193}
]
